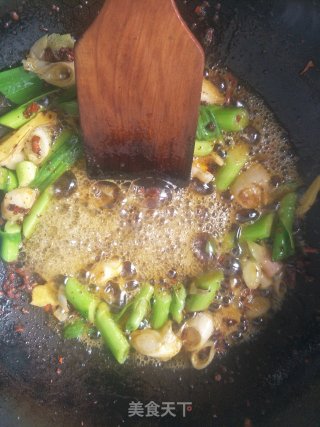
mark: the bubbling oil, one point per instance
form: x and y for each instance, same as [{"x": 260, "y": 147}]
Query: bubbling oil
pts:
[
  {"x": 73, "y": 233},
  {"x": 77, "y": 232}
]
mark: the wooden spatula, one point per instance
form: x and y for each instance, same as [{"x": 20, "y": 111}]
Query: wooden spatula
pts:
[{"x": 139, "y": 72}]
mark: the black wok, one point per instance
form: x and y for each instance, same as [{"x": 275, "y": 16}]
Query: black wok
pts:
[{"x": 273, "y": 380}]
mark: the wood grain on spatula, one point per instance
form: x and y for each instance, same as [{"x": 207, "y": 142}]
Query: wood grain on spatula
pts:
[{"x": 139, "y": 72}]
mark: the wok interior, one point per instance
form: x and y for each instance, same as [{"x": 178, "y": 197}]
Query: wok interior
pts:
[{"x": 264, "y": 376}]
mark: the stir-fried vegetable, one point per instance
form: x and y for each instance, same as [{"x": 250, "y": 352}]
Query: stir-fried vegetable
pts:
[
  {"x": 17, "y": 203},
  {"x": 111, "y": 334},
  {"x": 26, "y": 173},
  {"x": 14, "y": 143},
  {"x": 33, "y": 157},
  {"x": 84, "y": 301},
  {"x": 103, "y": 271},
  {"x": 259, "y": 230},
  {"x": 202, "y": 358},
  {"x": 71, "y": 108},
  {"x": 59, "y": 160},
  {"x": 286, "y": 213},
  {"x": 162, "y": 344},
  {"x": 204, "y": 291},
  {"x": 230, "y": 119},
  {"x": 51, "y": 58},
  {"x": 309, "y": 197},
  {"x": 213, "y": 119},
  {"x": 10, "y": 241},
  {"x": 97, "y": 312},
  {"x": 75, "y": 330},
  {"x": 236, "y": 159},
  {"x": 140, "y": 307},
  {"x": 179, "y": 295},
  {"x": 19, "y": 86},
  {"x": 251, "y": 272},
  {"x": 38, "y": 144},
  {"x": 36, "y": 212},
  {"x": 8, "y": 180},
  {"x": 202, "y": 148},
  {"x": 201, "y": 173},
  {"x": 44, "y": 295},
  {"x": 251, "y": 188},
  {"x": 208, "y": 128},
  {"x": 210, "y": 94},
  {"x": 283, "y": 243},
  {"x": 21, "y": 115},
  {"x": 160, "y": 307},
  {"x": 196, "y": 331},
  {"x": 263, "y": 256}
]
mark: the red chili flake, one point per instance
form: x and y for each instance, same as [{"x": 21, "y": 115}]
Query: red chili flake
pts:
[
  {"x": 231, "y": 82},
  {"x": 31, "y": 109},
  {"x": 35, "y": 145},
  {"x": 60, "y": 360},
  {"x": 310, "y": 250},
  {"x": 17, "y": 209},
  {"x": 66, "y": 54},
  {"x": 16, "y": 281},
  {"x": 49, "y": 55},
  {"x": 310, "y": 64},
  {"x": 238, "y": 118},
  {"x": 14, "y": 16},
  {"x": 48, "y": 308},
  {"x": 247, "y": 423},
  {"x": 218, "y": 377},
  {"x": 199, "y": 11},
  {"x": 19, "y": 329}
]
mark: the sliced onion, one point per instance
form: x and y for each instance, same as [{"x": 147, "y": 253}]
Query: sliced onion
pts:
[
  {"x": 43, "y": 137},
  {"x": 263, "y": 256},
  {"x": 199, "y": 362},
  {"x": 17, "y": 203},
  {"x": 59, "y": 74},
  {"x": 265, "y": 281},
  {"x": 46, "y": 294},
  {"x": 62, "y": 298},
  {"x": 251, "y": 272},
  {"x": 202, "y": 175},
  {"x": 277, "y": 284},
  {"x": 309, "y": 197},
  {"x": 196, "y": 331},
  {"x": 210, "y": 94},
  {"x": 105, "y": 270},
  {"x": 60, "y": 314},
  {"x": 252, "y": 188},
  {"x": 14, "y": 159},
  {"x": 13, "y": 144},
  {"x": 162, "y": 344}
]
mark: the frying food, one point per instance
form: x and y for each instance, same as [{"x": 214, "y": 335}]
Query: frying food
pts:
[{"x": 148, "y": 268}]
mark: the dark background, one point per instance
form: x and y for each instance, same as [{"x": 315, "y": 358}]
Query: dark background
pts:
[{"x": 271, "y": 381}]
